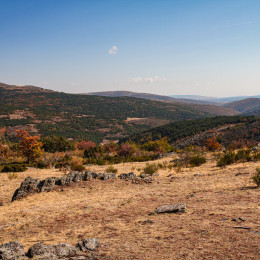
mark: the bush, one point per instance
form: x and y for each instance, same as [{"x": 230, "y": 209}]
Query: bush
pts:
[
  {"x": 150, "y": 168},
  {"x": 111, "y": 169},
  {"x": 256, "y": 177},
  {"x": 12, "y": 175},
  {"x": 243, "y": 155},
  {"x": 226, "y": 159},
  {"x": 197, "y": 160},
  {"x": 54, "y": 144},
  {"x": 77, "y": 167},
  {"x": 14, "y": 168}
]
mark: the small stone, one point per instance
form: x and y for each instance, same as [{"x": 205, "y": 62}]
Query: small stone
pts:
[
  {"x": 173, "y": 208},
  {"x": 88, "y": 244},
  {"x": 242, "y": 219},
  {"x": 239, "y": 227}
]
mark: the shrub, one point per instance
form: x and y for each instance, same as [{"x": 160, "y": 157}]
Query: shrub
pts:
[
  {"x": 226, "y": 159},
  {"x": 14, "y": 168},
  {"x": 150, "y": 168},
  {"x": 256, "y": 156},
  {"x": 12, "y": 175},
  {"x": 85, "y": 145},
  {"x": 76, "y": 164},
  {"x": 243, "y": 155},
  {"x": 256, "y": 177},
  {"x": 111, "y": 169},
  {"x": 54, "y": 144},
  {"x": 212, "y": 144},
  {"x": 197, "y": 160},
  {"x": 77, "y": 167}
]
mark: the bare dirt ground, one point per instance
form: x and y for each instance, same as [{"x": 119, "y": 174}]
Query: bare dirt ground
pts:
[{"x": 115, "y": 211}]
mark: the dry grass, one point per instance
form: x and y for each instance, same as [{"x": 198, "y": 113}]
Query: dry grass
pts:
[{"x": 114, "y": 211}]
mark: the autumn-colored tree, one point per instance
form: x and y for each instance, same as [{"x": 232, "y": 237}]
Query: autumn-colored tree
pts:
[
  {"x": 127, "y": 150},
  {"x": 29, "y": 145},
  {"x": 85, "y": 145},
  {"x": 212, "y": 144}
]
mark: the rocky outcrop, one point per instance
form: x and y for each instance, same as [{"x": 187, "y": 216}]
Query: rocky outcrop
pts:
[
  {"x": 129, "y": 175},
  {"x": 11, "y": 250},
  {"x": 61, "y": 250},
  {"x": 88, "y": 244},
  {"x": 173, "y": 208},
  {"x": 30, "y": 185},
  {"x": 83, "y": 250}
]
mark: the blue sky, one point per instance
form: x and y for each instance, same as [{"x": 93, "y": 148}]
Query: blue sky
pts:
[{"x": 164, "y": 47}]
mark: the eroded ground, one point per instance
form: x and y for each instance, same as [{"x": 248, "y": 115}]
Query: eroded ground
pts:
[{"x": 115, "y": 211}]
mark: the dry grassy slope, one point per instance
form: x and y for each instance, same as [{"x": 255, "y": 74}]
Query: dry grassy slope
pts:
[{"x": 112, "y": 210}]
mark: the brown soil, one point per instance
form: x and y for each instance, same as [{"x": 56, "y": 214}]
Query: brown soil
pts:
[{"x": 115, "y": 210}]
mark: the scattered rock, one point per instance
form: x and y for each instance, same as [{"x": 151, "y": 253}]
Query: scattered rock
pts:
[
  {"x": 255, "y": 232},
  {"x": 28, "y": 186},
  {"x": 105, "y": 176},
  {"x": 47, "y": 184},
  {"x": 11, "y": 250},
  {"x": 173, "y": 208},
  {"x": 129, "y": 175},
  {"x": 242, "y": 219},
  {"x": 139, "y": 180},
  {"x": 239, "y": 227},
  {"x": 170, "y": 175},
  {"x": 148, "y": 221},
  {"x": 1, "y": 203},
  {"x": 88, "y": 244}
]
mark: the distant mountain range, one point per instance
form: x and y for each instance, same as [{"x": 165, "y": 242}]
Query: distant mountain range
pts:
[
  {"x": 204, "y": 106},
  {"x": 213, "y": 99}
]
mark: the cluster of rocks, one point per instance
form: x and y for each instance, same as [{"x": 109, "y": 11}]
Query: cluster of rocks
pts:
[
  {"x": 143, "y": 178},
  {"x": 83, "y": 250},
  {"x": 32, "y": 185}
]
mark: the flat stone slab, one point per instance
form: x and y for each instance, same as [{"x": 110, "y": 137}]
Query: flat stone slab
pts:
[{"x": 173, "y": 208}]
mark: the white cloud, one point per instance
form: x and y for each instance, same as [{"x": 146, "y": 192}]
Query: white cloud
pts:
[
  {"x": 113, "y": 50},
  {"x": 149, "y": 80}
]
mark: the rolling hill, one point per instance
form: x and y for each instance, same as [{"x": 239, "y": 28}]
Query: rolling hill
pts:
[
  {"x": 246, "y": 106},
  {"x": 205, "y": 106},
  {"x": 194, "y": 132},
  {"x": 48, "y": 112}
]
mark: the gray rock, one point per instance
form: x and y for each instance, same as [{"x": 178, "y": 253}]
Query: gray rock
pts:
[
  {"x": 105, "y": 176},
  {"x": 40, "y": 249},
  {"x": 64, "y": 249},
  {"x": 88, "y": 244},
  {"x": 129, "y": 175},
  {"x": 47, "y": 184},
  {"x": 11, "y": 250},
  {"x": 173, "y": 208},
  {"x": 78, "y": 176},
  {"x": 87, "y": 176},
  {"x": 61, "y": 250},
  {"x": 28, "y": 186},
  {"x": 60, "y": 181}
]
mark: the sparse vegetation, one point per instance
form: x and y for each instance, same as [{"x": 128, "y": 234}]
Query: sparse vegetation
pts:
[
  {"x": 111, "y": 169},
  {"x": 256, "y": 177},
  {"x": 150, "y": 168}
]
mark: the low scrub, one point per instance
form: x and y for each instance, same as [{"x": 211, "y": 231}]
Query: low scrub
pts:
[
  {"x": 150, "y": 168},
  {"x": 256, "y": 177},
  {"x": 14, "y": 168},
  {"x": 111, "y": 169},
  {"x": 197, "y": 160},
  {"x": 226, "y": 159}
]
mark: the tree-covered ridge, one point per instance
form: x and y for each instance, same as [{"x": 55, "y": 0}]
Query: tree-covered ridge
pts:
[
  {"x": 77, "y": 116},
  {"x": 182, "y": 129}
]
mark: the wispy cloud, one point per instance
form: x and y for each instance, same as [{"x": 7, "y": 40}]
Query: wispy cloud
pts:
[
  {"x": 113, "y": 50},
  {"x": 149, "y": 80}
]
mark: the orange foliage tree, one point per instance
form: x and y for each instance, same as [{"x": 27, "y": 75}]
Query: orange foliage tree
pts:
[
  {"x": 212, "y": 144},
  {"x": 29, "y": 145}
]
